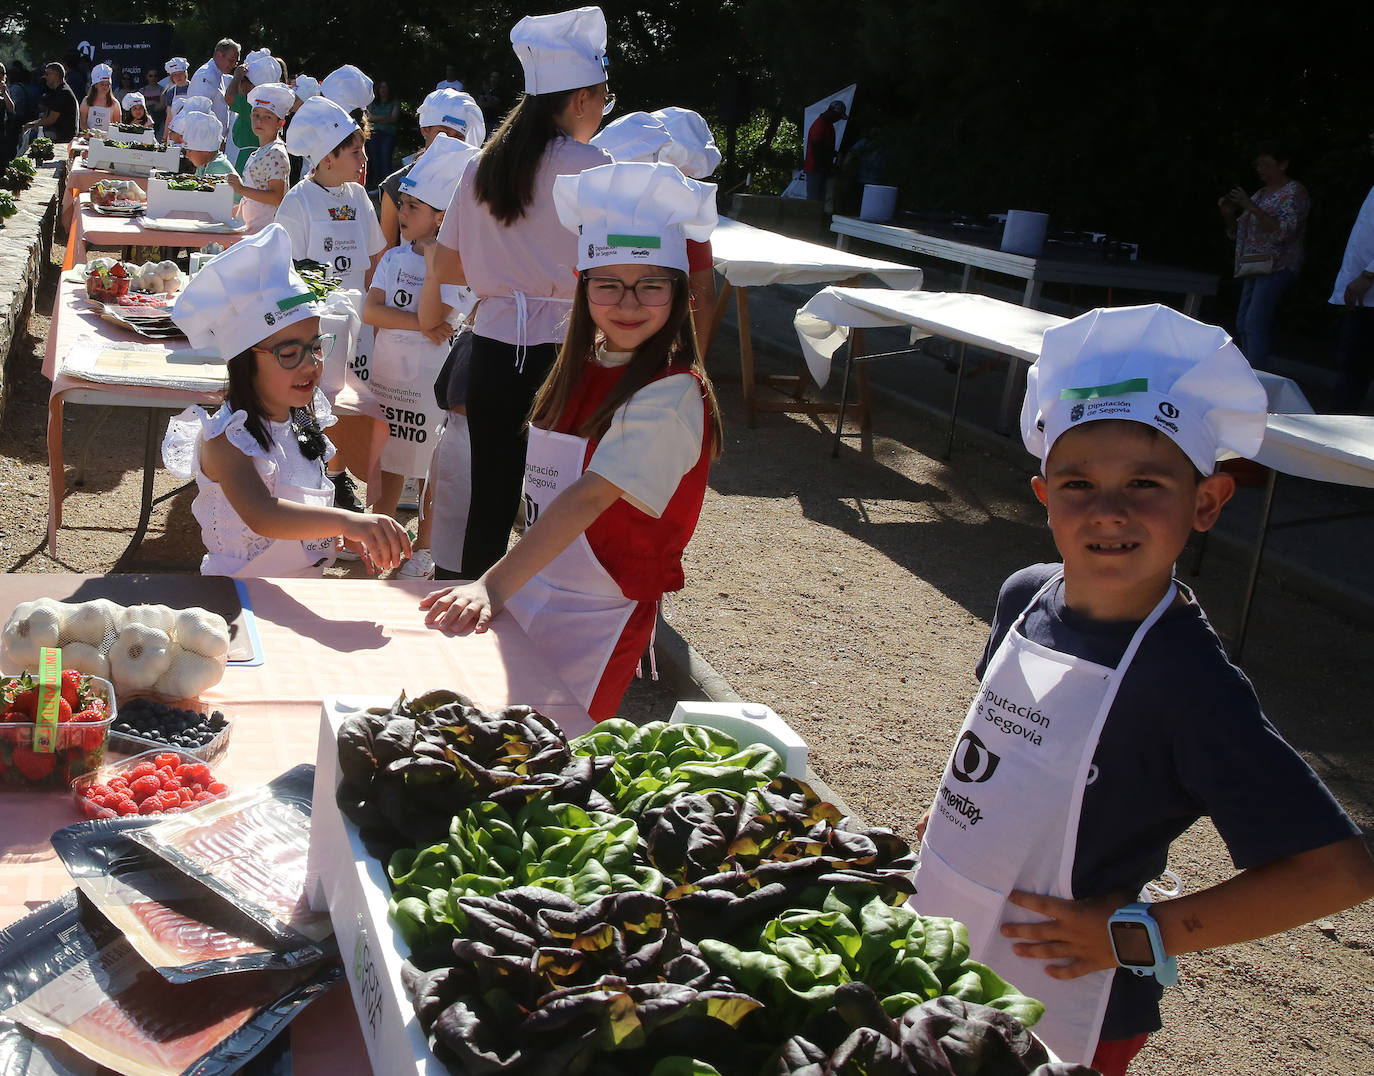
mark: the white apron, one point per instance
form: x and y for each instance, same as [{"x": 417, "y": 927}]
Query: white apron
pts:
[
  {"x": 284, "y": 557},
  {"x": 1006, "y": 815},
  {"x": 572, "y": 610},
  {"x": 403, "y": 368},
  {"x": 341, "y": 246},
  {"x": 98, "y": 118}
]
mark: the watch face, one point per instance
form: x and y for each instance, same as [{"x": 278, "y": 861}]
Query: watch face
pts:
[{"x": 1132, "y": 943}]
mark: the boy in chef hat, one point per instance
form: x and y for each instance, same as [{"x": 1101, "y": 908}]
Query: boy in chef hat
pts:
[
  {"x": 621, "y": 436},
  {"x": 305, "y": 87},
  {"x": 1108, "y": 719},
  {"x": 202, "y": 135},
  {"x": 330, "y": 220},
  {"x": 635, "y": 136},
  {"x": 267, "y": 170},
  {"x": 348, "y": 88},
  {"x": 415, "y": 318},
  {"x": 181, "y": 107},
  {"x": 264, "y": 503}
]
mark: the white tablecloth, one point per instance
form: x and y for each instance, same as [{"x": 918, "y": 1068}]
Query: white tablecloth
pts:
[
  {"x": 1325, "y": 448},
  {"x": 750, "y": 257}
]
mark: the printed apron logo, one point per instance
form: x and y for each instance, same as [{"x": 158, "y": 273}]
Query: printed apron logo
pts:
[
  {"x": 531, "y": 510},
  {"x": 973, "y": 763},
  {"x": 328, "y": 243},
  {"x": 1012, "y": 718},
  {"x": 1075, "y": 412},
  {"x": 958, "y": 808},
  {"x": 401, "y": 298},
  {"x": 1168, "y": 410},
  {"x": 343, "y": 263}
]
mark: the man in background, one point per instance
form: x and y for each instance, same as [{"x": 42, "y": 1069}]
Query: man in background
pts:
[{"x": 819, "y": 166}]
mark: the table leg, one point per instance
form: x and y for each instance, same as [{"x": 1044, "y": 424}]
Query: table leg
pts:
[
  {"x": 1253, "y": 580},
  {"x": 92, "y": 428},
  {"x": 1030, "y": 299},
  {"x": 145, "y": 508},
  {"x": 967, "y": 278},
  {"x": 954, "y": 404},
  {"x": 841, "y": 241},
  {"x": 1192, "y": 303},
  {"x": 861, "y": 383},
  {"x": 57, "y": 477},
  {"x": 844, "y": 391},
  {"x": 717, "y": 313},
  {"x": 1009, "y": 395},
  {"x": 746, "y": 353}
]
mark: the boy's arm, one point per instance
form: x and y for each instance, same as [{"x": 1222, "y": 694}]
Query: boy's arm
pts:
[{"x": 1256, "y": 903}]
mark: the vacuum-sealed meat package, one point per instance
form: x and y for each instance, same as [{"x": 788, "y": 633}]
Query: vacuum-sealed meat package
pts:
[
  {"x": 178, "y": 925},
  {"x": 251, "y": 848}
]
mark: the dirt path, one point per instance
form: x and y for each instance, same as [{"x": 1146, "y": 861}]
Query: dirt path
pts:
[{"x": 853, "y": 596}]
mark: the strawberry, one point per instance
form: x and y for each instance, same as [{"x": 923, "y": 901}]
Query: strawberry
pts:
[
  {"x": 25, "y": 702},
  {"x": 33, "y": 765},
  {"x": 64, "y": 710},
  {"x": 71, "y": 687}
]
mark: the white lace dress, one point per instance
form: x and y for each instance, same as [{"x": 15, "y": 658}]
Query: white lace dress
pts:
[{"x": 233, "y": 548}]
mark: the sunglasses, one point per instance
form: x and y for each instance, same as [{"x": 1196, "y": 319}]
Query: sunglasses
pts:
[
  {"x": 648, "y": 290},
  {"x": 292, "y": 353}
]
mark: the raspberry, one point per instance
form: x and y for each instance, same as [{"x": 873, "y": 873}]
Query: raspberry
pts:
[
  {"x": 97, "y": 792},
  {"x": 171, "y": 783},
  {"x": 143, "y": 769},
  {"x": 186, "y": 795},
  {"x": 197, "y": 772},
  {"x": 216, "y": 787},
  {"x": 166, "y": 771},
  {"x": 125, "y": 806},
  {"x": 149, "y": 806},
  {"x": 167, "y": 799},
  {"x": 201, "y": 797},
  {"x": 167, "y": 759},
  {"x": 144, "y": 787}
]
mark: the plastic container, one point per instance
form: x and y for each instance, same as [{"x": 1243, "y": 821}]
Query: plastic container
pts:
[
  {"x": 125, "y": 766},
  {"x": 748, "y": 722},
  {"x": 879, "y": 203},
  {"x": 106, "y": 292},
  {"x": 79, "y": 747},
  {"x": 128, "y": 743}
]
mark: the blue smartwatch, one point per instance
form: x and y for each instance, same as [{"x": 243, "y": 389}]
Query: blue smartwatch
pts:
[{"x": 1138, "y": 945}]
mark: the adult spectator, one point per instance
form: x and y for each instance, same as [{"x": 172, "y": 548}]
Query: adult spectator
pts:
[
  {"x": 9, "y": 121},
  {"x": 384, "y": 115},
  {"x": 1355, "y": 348},
  {"x": 212, "y": 77},
  {"x": 78, "y": 68},
  {"x": 451, "y": 80},
  {"x": 58, "y": 108},
  {"x": 819, "y": 165},
  {"x": 1268, "y": 228},
  {"x": 126, "y": 82},
  {"x": 152, "y": 96}
]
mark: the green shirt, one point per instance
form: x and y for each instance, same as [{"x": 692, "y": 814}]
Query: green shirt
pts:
[
  {"x": 217, "y": 166},
  {"x": 245, "y": 141}
]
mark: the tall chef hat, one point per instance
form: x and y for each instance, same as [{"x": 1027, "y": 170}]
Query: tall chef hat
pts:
[
  {"x": 307, "y": 87},
  {"x": 201, "y": 131},
  {"x": 348, "y": 87},
  {"x": 261, "y": 67},
  {"x": 131, "y": 99},
  {"x": 636, "y": 136},
  {"x": 184, "y": 106},
  {"x": 244, "y": 295},
  {"x": 276, "y": 97},
  {"x": 564, "y": 51},
  {"x": 692, "y": 148},
  {"x": 176, "y": 63},
  {"x": 1147, "y": 364},
  {"x": 101, "y": 73},
  {"x": 635, "y": 213},
  {"x": 317, "y": 128},
  {"x": 456, "y": 110},
  {"x": 434, "y": 177}
]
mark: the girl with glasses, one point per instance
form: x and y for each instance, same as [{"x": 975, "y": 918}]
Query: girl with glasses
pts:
[
  {"x": 620, "y": 439},
  {"x": 264, "y": 503}
]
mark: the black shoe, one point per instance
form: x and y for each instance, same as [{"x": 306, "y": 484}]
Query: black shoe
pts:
[{"x": 345, "y": 492}]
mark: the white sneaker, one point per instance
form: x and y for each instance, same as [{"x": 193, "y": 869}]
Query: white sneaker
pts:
[
  {"x": 419, "y": 566},
  {"x": 410, "y": 496}
]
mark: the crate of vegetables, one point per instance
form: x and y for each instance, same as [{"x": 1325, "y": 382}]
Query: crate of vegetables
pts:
[
  {"x": 117, "y": 153},
  {"x": 202, "y": 196},
  {"x": 86, "y": 710}
]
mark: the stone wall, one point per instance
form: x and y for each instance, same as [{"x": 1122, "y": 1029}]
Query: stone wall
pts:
[{"x": 25, "y": 246}]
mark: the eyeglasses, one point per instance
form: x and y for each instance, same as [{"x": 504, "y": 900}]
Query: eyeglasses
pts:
[
  {"x": 609, "y": 106},
  {"x": 648, "y": 290},
  {"x": 292, "y": 353}
]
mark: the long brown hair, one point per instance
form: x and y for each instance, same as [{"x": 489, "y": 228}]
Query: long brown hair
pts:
[
  {"x": 110, "y": 101},
  {"x": 505, "y": 171},
  {"x": 673, "y": 346}
]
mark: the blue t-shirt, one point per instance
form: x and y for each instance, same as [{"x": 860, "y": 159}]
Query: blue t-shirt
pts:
[{"x": 1185, "y": 738}]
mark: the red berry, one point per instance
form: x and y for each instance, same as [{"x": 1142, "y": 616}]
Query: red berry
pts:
[
  {"x": 125, "y": 806},
  {"x": 167, "y": 799},
  {"x": 186, "y": 795},
  {"x": 167, "y": 759},
  {"x": 32, "y": 764},
  {"x": 71, "y": 686},
  {"x": 201, "y": 797},
  {"x": 144, "y": 787},
  {"x": 149, "y": 806},
  {"x": 172, "y": 783},
  {"x": 216, "y": 787},
  {"x": 143, "y": 769}
]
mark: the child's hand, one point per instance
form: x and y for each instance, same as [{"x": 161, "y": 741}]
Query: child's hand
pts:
[
  {"x": 235, "y": 184},
  {"x": 383, "y": 542},
  {"x": 457, "y": 610},
  {"x": 921, "y": 824},
  {"x": 439, "y": 334},
  {"x": 1074, "y": 931}
]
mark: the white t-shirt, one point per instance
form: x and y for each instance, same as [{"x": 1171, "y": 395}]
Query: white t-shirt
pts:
[
  {"x": 454, "y": 85},
  {"x": 209, "y": 81},
  {"x": 266, "y": 164},
  {"x": 401, "y": 274},
  {"x": 653, "y": 440},
  {"x": 536, "y": 256},
  {"x": 335, "y": 226},
  {"x": 1359, "y": 250}
]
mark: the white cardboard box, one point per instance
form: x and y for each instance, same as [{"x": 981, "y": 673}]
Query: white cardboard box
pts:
[
  {"x": 211, "y": 205},
  {"x": 99, "y": 154},
  {"x": 353, "y": 885},
  {"x": 748, "y": 722},
  {"x": 144, "y": 135}
]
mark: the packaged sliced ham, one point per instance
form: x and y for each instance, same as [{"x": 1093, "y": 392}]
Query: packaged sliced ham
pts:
[
  {"x": 180, "y": 927},
  {"x": 77, "y": 997},
  {"x": 250, "y": 848}
]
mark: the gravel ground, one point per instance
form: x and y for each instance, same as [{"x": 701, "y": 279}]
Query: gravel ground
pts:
[{"x": 853, "y": 595}]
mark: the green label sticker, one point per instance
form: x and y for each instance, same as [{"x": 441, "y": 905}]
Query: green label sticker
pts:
[
  {"x": 295, "y": 300},
  {"x": 49, "y": 695},
  {"x": 653, "y": 242},
  {"x": 1093, "y": 392}
]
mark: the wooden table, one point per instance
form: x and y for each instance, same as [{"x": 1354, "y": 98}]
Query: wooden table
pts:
[{"x": 319, "y": 637}]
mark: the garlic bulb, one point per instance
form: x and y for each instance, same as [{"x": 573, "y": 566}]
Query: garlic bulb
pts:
[
  {"x": 202, "y": 632},
  {"x": 188, "y": 675},
  {"x": 139, "y": 656},
  {"x": 86, "y": 659},
  {"x": 32, "y": 626},
  {"x": 89, "y": 622},
  {"x": 154, "y": 616}
]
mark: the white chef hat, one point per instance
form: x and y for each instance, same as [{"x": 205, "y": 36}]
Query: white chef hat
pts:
[
  {"x": 186, "y": 104},
  {"x": 348, "y": 87},
  {"x": 201, "y": 131},
  {"x": 261, "y": 66},
  {"x": 244, "y": 295},
  {"x": 101, "y": 73},
  {"x": 306, "y": 87},
  {"x": 131, "y": 99},
  {"x": 635, "y": 136},
  {"x": 1147, "y": 364},
  {"x": 635, "y": 213},
  {"x": 692, "y": 148},
  {"x": 564, "y": 51},
  {"x": 317, "y": 128},
  {"x": 176, "y": 63},
  {"x": 457, "y": 110},
  {"x": 434, "y": 177},
  {"x": 276, "y": 97}
]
